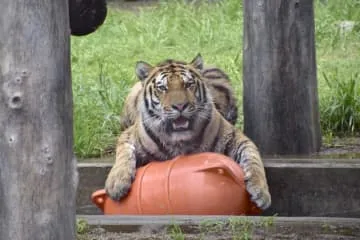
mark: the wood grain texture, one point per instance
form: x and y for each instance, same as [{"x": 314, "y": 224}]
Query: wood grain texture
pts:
[
  {"x": 258, "y": 226},
  {"x": 38, "y": 175},
  {"x": 280, "y": 97}
]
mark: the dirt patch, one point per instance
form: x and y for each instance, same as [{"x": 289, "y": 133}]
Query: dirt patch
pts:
[
  {"x": 345, "y": 147},
  {"x": 257, "y": 234}
]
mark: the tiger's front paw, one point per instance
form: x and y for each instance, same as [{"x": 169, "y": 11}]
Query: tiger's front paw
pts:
[
  {"x": 117, "y": 186},
  {"x": 259, "y": 194}
]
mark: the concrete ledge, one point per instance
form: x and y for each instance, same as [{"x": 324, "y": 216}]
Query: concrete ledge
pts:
[
  {"x": 318, "y": 187},
  {"x": 299, "y": 187},
  {"x": 92, "y": 177},
  {"x": 225, "y": 226}
]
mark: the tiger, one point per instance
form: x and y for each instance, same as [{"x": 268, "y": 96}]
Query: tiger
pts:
[
  {"x": 219, "y": 85},
  {"x": 177, "y": 116}
]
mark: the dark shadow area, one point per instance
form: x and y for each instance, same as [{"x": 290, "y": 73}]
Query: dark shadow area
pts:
[{"x": 86, "y": 16}]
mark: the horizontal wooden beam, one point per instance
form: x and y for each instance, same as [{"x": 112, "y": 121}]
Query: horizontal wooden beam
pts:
[{"x": 285, "y": 226}]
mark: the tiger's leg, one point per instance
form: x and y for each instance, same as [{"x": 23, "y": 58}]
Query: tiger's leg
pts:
[
  {"x": 247, "y": 155},
  {"x": 122, "y": 174}
]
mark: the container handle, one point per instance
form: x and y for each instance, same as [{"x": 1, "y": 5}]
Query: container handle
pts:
[
  {"x": 222, "y": 169},
  {"x": 98, "y": 198},
  {"x": 253, "y": 209}
]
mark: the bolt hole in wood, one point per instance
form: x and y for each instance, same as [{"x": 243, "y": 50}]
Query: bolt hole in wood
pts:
[
  {"x": 15, "y": 102},
  {"x": 49, "y": 160}
]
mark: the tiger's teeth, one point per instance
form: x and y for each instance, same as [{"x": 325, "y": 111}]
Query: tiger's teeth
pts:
[{"x": 181, "y": 125}]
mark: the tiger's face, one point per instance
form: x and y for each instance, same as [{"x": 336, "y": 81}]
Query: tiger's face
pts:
[{"x": 175, "y": 98}]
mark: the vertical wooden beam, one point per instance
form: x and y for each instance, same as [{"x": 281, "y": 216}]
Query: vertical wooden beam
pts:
[
  {"x": 280, "y": 97},
  {"x": 38, "y": 175}
]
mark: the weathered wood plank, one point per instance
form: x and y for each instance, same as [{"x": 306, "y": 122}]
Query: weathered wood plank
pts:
[
  {"x": 280, "y": 98},
  {"x": 37, "y": 168},
  {"x": 197, "y": 224}
]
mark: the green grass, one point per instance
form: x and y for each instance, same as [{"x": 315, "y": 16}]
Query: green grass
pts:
[
  {"x": 236, "y": 228},
  {"x": 341, "y": 110},
  {"x": 103, "y": 62}
]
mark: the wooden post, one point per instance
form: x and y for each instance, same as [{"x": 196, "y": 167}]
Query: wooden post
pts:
[
  {"x": 38, "y": 175},
  {"x": 280, "y": 97}
]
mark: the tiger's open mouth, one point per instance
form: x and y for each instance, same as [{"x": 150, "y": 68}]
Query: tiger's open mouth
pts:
[{"x": 180, "y": 123}]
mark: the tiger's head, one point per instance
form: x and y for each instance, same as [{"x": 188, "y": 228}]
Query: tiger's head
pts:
[{"x": 175, "y": 100}]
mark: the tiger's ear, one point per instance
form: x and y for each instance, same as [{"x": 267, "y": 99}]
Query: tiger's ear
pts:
[
  {"x": 198, "y": 62},
  {"x": 142, "y": 70}
]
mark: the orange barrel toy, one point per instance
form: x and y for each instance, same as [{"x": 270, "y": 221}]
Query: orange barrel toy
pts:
[{"x": 197, "y": 184}]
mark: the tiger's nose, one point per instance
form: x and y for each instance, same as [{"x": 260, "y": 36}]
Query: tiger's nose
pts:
[{"x": 180, "y": 106}]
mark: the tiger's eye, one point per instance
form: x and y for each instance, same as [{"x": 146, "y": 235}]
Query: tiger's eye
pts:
[
  {"x": 189, "y": 84},
  {"x": 161, "y": 88}
]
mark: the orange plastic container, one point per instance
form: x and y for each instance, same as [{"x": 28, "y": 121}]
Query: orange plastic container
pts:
[{"x": 198, "y": 184}]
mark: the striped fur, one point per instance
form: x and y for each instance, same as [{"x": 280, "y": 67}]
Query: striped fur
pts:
[
  {"x": 220, "y": 87},
  {"x": 177, "y": 116},
  {"x": 218, "y": 83}
]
